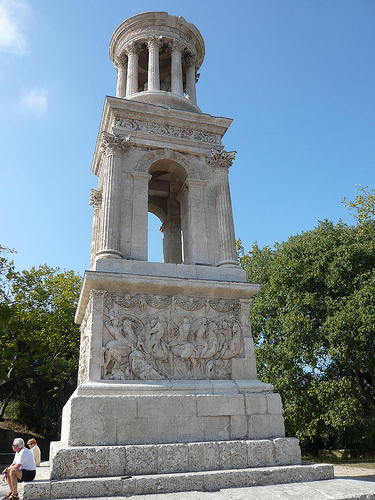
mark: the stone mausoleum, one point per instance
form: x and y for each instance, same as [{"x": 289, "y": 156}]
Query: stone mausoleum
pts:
[{"x": 168, "y": 390}]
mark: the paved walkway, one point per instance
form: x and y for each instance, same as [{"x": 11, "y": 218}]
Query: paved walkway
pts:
[{"x": 350, "y": 483}]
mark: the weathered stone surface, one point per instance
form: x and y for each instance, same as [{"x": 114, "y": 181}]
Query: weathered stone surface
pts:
[{"x": 165, "y": 483}]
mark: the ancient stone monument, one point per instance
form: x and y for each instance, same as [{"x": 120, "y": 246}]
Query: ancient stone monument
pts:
[{"x": 167, "y": 373}]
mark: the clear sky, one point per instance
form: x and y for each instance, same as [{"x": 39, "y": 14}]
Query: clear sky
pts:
[{"x": 297, "y": 77}]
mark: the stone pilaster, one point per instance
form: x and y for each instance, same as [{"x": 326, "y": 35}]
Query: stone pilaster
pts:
[
  {"x": 113, "y": 147},
  {"x": 220, "y": 161},
  {"x": 176, "y": 67},
  {"x": 121, "y": 67},
  {"x": 172, "y": 247},
  {"x": 193, "y": 222},
  {"x": 191, "y": 64},
  {"x": 95, "y": 201},
  {"x": 153, "y": 44},
  {"x": 132, "y": 49},
  {"x": 139, "y": 224}
]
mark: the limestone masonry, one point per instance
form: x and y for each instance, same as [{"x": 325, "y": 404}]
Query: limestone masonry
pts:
[{"x": 167, "y": 373}]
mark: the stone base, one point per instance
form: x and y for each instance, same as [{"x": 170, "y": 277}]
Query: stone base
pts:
[
  {"x": 99, "y": 461},
  {"x": 156, "y": 412},
  {"x": 177, "y": 482}
]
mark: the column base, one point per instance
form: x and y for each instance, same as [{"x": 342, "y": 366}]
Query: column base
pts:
[
  {"x": 108, "y": 254},
  {"x": 228, "y": 263}
]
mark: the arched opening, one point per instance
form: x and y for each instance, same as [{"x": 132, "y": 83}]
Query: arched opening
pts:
[{"x": 167, "y": 179}]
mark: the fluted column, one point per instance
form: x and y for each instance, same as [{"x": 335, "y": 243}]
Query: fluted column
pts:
[
  {"x": 113, "y": 147},
  {"x": 121, "y": 65},
  {"x": 153, "y": 44},
  {"x": 220, "y": 162},
  {"x": 176, "y": 67},
  {"x": 139, "y": 231},
  {"x": 95, "y": 201},
  {"x": 191, "y": 78},
  {"x": 132, "y": 75}
]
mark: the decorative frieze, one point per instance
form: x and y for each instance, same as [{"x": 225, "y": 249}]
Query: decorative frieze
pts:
[
  {"x": 154, "y": 337},
  {"x": 169, "y": 130}
]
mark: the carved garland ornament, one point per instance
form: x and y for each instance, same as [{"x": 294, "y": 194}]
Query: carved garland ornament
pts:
[{"x": 156, "y": 128}]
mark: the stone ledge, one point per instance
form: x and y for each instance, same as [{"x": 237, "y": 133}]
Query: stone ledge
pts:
[{"x": 169, "y": 483}]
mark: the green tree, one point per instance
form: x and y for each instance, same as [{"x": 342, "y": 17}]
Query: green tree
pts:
[
  {"x": 39, "y": 344},
  {"x": 314, "y": 327},
  {"x": 363, "y": 206}
]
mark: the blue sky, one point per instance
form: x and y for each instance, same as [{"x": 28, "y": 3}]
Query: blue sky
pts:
[{"x": 297, "y": 77}]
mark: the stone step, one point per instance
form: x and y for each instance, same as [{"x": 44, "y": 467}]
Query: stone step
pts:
[{"x": 169, "y": 483}]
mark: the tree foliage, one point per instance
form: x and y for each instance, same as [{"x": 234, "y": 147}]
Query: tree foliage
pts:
[
  {"x": 314, "y": 327},
  {"x": 39, "y": 343}
]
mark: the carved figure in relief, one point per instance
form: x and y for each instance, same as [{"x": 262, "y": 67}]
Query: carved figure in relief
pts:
[
  {"x": 183, "y": 350},
  {"x": 140, "y": 369}
]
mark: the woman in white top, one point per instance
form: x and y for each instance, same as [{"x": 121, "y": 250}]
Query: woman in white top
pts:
[{"x": 35, "y": 450}]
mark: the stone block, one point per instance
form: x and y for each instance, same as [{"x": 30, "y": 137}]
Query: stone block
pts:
[
  {"x": 256, "y": 404},
  {"x": 287, "y": 451},
  {"x": 238, "y": 427},
  {"x": 244, "y": 368},
  {"x": 266, "y": 426},
  {"x": 172, "y": 458},
  {"x": 166, "y": 407},
  {"x": 274, "y": 405},
  {"x": 233, "y": 454},
  {"x": 216, "y": 428},
  {"x": 89, "y": 461},
  {"x": 220, "y": 405},
  {"x": 260, "y": 453},
  {"x": 204, "y": 456},
  {"x": 141, "y": 459}
]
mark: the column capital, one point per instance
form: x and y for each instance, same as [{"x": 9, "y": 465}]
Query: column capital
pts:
[
  {"x": 176, "y": 46},
  {"x": 114, "y": 144},
  {"x": 121, "y": 61},
  {"x": 221, "y": 159},
  {"x": 154, "y": 41},
  {"x": 191, "y": 61},
  {"x": 95, "y": 198},
  {"x": 133, "y": 47}
]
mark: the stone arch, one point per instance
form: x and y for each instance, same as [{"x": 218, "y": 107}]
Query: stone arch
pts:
[{"x": 145, "y": 163}]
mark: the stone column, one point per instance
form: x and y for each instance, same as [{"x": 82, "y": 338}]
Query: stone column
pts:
[
  {"x": 220, "y": 161},
  {"x": 172, "y": 246},
  {"x": 95, "y": 201},
  {"x": 191, "y": 65},
  {"x": 139, "y": 224},
  {"x": 176, "y": 67},
  {"x": 193, "y": 222},
  {"x": 132, "y": 75},
  {"x": 121, "y": 64},
  {"x": 113, "y": 147},
  {"x": 153, "y": 44}
]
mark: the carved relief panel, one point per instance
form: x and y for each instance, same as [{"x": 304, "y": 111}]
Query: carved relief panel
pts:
[{"x": 154, "y": 337}]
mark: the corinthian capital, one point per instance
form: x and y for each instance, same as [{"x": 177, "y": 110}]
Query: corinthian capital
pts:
[
  {"x": 154, "y": 41},
  {"x": 221, "y": 159},
  {"x": 176, "y": 46},
  {"x": 132, "y": 47},
  {"x": 114, "y": 144},
  {"x": 121, "y": 61},
  {"x": 95, "y": 198}
]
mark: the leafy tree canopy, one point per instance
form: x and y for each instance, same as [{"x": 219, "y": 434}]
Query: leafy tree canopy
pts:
[
  {"x": 39, "y": 343},
  {"x": 314, "y": 327}
]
